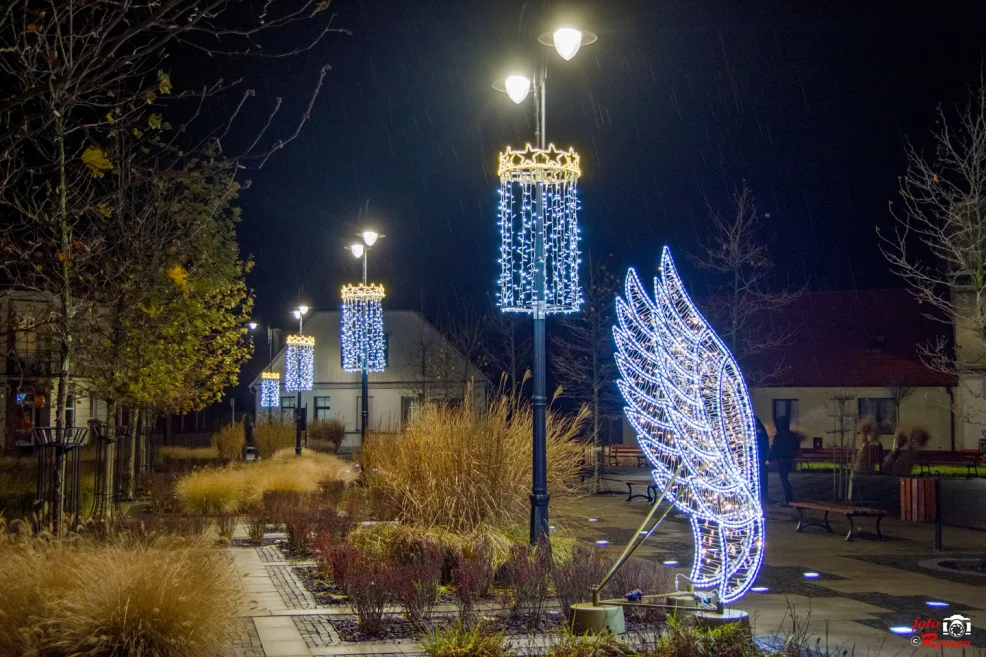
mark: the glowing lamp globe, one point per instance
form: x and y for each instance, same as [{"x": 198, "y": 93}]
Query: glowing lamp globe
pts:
[
  {"x": 299, "y": 363},
  {"x": 689, "y": 406},
  {"x": 567, "y": 40},
  {"x": 362, "y": 328},
  {"x": 522, "y": 173},
  {"x": 517, "y": 87},
  {"x": 370, "y": 237},
  {"x": 270, "y": 384}
]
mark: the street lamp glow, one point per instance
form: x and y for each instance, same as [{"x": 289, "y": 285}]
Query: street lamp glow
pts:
[
  {"x": 567, "y": 40},
  {"x": 517, "y": 87},
  {"x": 357, "y": 250},
  {"x": 370, "y": 237},
  {"x": 253, "y": 326},
  {"x": 303, "y": 310},
  {"x": 296, "y": 313}
]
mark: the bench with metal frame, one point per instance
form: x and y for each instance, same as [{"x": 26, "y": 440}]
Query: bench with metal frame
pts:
[{"x": 849, "y": 510}]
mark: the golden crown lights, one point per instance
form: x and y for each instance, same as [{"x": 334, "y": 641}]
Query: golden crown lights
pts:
[
  {"x": 299, "y": 363},
  {"x": 362, "y": 328},
  {"x": 521, "y": 173}
]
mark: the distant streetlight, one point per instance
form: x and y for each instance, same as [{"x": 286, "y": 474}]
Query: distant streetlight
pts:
[
  {"x": 362, "y": 327},
  {"x": 252, "y": 326},
  {"x": 524, "y": 290}
]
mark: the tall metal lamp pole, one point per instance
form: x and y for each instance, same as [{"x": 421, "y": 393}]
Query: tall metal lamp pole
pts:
[
  {"x": 362, "y": 251},
  {"x": 299, "y": 314},
  {"x": 566, "y": 42}
]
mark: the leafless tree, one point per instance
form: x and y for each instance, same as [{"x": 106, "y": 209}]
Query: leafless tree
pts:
[
  {"x": 76, "y": 75},
  {"x": 466, "y": 331},
  {"x": 938, "y": 245},
  {"x": 582, "y": 352},
  {"x": 898, "y": 393},
  {"x": 509, "y": 349},
  {"x": 746, "y": 303}
]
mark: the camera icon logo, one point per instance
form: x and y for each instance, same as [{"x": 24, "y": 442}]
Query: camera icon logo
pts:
[{"x": 957, "y": 626}]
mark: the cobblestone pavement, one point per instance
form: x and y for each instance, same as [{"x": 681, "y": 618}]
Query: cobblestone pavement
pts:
[
  {"x": 248, "y": 643},
  {"x": 317, "y": 631},
  {"x": 289, "y": 587}
]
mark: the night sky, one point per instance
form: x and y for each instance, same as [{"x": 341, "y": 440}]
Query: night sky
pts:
[{"x": 676, "y": 104}]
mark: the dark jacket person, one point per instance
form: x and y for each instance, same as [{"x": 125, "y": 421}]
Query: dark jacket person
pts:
[{"x": 783, "y": 452}]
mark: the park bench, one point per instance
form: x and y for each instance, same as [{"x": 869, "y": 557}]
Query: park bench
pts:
[
  {"x": 646, "y": 484},
  {"x": 925, "y": 459},
  {"x": 849, "y": 510},
  {"x": 617, "y": 452},
  {"x": 823, "y": 455}
]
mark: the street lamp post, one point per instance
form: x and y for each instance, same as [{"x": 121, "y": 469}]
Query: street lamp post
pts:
[
  {"x": 299, "y": 314},
  {"x": 362, "y": 251},
  {"x": 566, "y": 42}
]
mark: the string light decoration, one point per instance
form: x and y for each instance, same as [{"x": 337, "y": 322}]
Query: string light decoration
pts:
[
  {"x": 521, "y": 172},
  {"x": 689, "y": 405},
  {"x": 270, "y": 384},
  {"x": 362, "y": 328},
  {"x": 299, "y": 363}
]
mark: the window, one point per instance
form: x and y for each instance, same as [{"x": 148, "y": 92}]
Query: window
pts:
[
  {"x": 322, "y": 408},
  {"x": 880, "y": 409},
  {"x": 786, "y": 410},
  {"x": 287, "y": 406},
  {"x": 410, "y": 409}
]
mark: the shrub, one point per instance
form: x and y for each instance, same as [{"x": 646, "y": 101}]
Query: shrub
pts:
[
  {"x": 160, "y": 487},
  {"x": 575, "y": 577},
  {"x": 682, "y": 638},
  {"x": 477, "y": 470},
  {"x": 310, "y": 519},
  {"x": 257, "y": 524},
  {"x": 368, "y": 582},
  {"x": 228, "y": 441},
  {"x": 274, "y": 435},
  {"x": 461, "y": 640},
  {"x": 588, "y": 645},
  {"x": 650, "y": 577},
  {"x": 184, "y": 459},
  {"x": 467, "y": 580},
  {"x": 326, "y": 435},
  {"x": 526, "y": 572},
  {"x": 226, "y": 525},
  {"x": 417, "y": 571},
  {"x": 211, "y": 492},
  {"x": 164, "y": 597}
]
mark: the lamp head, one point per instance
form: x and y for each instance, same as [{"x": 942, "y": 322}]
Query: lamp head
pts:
[
  {"x": 567, "y": 41},
  {"x": 303, "y": 309},
  {"x": 252, "y": 325},
  {"x": 517, "y": 87},
  {"x": 370, "y": 237},
  {"x": 357, "y": 250},
  {"x": 296, "y": 313}
]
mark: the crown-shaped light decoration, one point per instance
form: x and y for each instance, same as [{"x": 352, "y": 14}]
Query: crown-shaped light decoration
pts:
[
  {"x": 521, "y": 174},
  {"x": 299, "y": 363},
  {"x": 270, "y": 388},
  {"x": 362, "y": 328},
  {"x": 690, "y": 407}
]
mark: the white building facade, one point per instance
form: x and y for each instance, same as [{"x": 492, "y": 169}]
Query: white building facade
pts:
[{"x": 422, "y": 365}]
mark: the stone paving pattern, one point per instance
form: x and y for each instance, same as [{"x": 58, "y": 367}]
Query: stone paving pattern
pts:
[{"x": 865, "y": 586}]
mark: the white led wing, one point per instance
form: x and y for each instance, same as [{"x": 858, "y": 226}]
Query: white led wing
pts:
[{"x": 688, "y": 403}]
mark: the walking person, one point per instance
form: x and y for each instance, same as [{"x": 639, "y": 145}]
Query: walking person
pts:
[
  {"x": 763, "y": 452},
  {"x": 783, "y": 452}
]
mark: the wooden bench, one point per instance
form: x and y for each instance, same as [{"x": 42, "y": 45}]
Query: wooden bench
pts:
[
  {"x": 824, "y": 455},
  {"x": 850, "y": 510},
  {"x": 616, "y": 452},
  {"x": 648, "y": 485},
  {"x": 925, "y": 459}
]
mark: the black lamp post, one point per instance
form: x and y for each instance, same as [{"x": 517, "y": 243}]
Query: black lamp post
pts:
[{"x": 566, "y": 42}]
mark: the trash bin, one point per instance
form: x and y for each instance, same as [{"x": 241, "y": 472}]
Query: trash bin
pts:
[{"x": 917, "y": 499}]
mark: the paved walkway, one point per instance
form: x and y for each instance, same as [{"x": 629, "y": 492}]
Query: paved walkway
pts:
[{"x": 863, "y": 588}]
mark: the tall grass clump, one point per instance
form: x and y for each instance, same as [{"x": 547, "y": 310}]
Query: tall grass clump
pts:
[
  {"x": 272, "y": 435},
  {"x": 241, "y": 486},
  {"x": 166, "y": 597},
  {"x": 326, "y": 435},
  {"x": 465, "y": 467},
  {"x": 228, "y": 441}
]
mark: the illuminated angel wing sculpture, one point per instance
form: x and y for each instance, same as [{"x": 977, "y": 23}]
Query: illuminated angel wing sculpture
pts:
[{"x": 688, "y": 403}]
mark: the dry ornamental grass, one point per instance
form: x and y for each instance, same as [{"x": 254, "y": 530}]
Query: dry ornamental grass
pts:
[
  {"x": 168, "y": 597},
  {"x": 463, "y": 468}
]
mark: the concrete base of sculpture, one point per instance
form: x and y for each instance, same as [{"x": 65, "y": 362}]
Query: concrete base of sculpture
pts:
[
  {"x": 585, "y": 617},
  {"x": 710, "y": 619}
]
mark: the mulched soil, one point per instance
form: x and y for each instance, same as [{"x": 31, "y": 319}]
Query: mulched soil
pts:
[
  {"x": 246, "y": 542},
  {"x": 326, "y": 593},
  {"x": 394, "y": 629}
]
